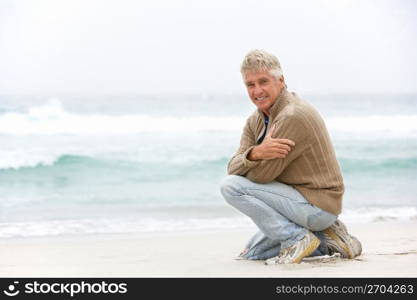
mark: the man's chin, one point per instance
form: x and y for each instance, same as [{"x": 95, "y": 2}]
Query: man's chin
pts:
[{"x": 264, "y": 107}]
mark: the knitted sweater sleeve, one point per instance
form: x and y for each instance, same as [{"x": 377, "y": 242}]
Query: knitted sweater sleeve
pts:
[
  {"x": 289, "y": 127},
  {"x": 239, "y": 164}
]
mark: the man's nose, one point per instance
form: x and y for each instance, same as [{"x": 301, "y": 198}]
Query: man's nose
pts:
[{"x": 257, "y": 91}]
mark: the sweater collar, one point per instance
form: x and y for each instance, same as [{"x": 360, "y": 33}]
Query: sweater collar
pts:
[{"x": 278, "y": 105}]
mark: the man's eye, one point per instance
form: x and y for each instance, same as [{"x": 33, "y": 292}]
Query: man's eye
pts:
[{"x": 250, "y": 85}]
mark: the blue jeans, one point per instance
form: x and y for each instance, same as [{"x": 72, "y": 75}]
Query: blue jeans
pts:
[{"x": 281, "y": 213}]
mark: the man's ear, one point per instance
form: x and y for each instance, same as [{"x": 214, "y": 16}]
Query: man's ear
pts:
[{"x": 281, "y": 79}]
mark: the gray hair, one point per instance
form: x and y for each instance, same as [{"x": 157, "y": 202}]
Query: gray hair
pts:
[{"x": 260, "y": 60}]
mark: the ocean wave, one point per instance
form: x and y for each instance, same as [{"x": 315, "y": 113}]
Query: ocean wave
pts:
[
  {"x": 117, "y": 225},
  {"x": 51, "y": 118},
  {"x": 378, "y": 165},
  {"x": 48, "y": 161},
  {"x": 379, "y": 214},
  {"x": 188, "y": 164},
  {"x": 375, "y": 126},
  {"x": 92, "y": 165}
]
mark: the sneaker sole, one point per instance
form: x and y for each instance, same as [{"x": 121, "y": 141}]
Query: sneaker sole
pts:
[
  {"x": 333, "y": 235},
  {"x": 315, "y": 243}
]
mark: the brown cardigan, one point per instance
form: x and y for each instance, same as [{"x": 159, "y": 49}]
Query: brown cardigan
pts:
[{"x": 310, "y": 167}]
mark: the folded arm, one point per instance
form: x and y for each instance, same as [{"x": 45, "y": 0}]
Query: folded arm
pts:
[
  {"x": 290, "y": 128},
  {"x": 290, "y": 131}
]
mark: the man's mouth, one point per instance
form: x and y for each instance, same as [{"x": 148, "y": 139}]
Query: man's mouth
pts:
[{"x": 260, "y": 98}]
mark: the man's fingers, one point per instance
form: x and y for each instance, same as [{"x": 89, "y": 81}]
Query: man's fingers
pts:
[
  {"x": 285, "y": 151},
  {"x": 280, "y": 153},
  {"x": 285, "y": 141},
  {"x": 277, "y": 153},
  {"x": 278, "y": 150},
  {"x": 279, "y": 145}
]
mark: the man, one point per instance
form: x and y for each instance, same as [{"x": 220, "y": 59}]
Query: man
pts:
[{"x": 285, "y": 175}]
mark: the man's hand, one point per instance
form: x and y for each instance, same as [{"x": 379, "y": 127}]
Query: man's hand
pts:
[{"x": 271, "y": 147}]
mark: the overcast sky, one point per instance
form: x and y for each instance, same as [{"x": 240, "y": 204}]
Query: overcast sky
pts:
[{"x": 98, "y": 46}]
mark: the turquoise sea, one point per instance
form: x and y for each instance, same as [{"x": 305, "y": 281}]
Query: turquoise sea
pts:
[{"x": 84, "y": 164}]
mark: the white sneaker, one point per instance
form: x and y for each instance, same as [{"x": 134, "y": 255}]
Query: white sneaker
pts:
[
  {"x": 340, "y": 241},
  {"x": 296, "y": 252}
]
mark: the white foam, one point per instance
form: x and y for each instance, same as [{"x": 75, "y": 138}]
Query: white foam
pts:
[
  {"x": 377, "y": 125},
  {"x": 21, "y": 158},
  {"x": 52, "y": 119},
  {"x": 153, "y": 225},
  {"x": 375, "y": 214},
  {"x": 103, "y": 226}
]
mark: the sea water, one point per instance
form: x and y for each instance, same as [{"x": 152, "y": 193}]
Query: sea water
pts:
[{"x": 84, "y": 164}]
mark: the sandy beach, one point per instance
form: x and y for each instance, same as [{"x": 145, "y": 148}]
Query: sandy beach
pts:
[{"x": 390, "y": 250}]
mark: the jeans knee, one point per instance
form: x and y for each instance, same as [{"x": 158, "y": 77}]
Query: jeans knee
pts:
[
  {"x": 229, "y": 186},
  {"x": 321, "y": 221}
]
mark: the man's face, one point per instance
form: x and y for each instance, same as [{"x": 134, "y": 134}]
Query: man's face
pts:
[{"x": 263, "y": 89}]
